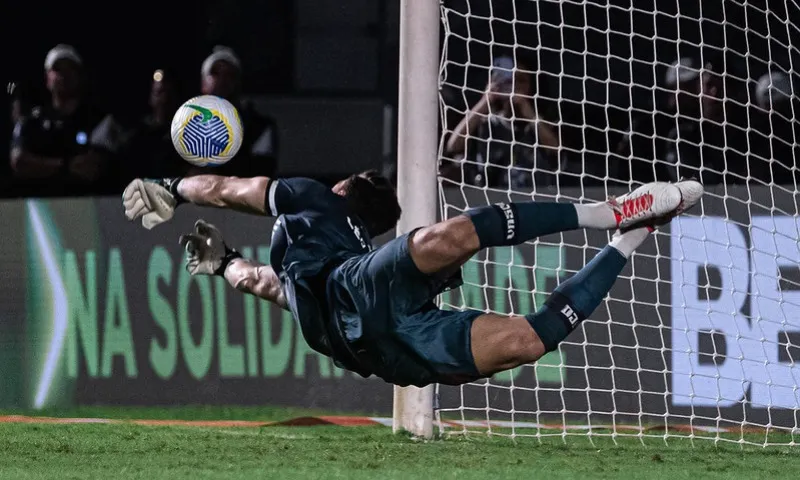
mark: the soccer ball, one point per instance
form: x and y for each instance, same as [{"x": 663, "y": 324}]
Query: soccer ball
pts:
[{"x": 206, "y": 130}]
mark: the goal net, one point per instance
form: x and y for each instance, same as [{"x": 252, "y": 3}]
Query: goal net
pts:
[{"x": 700, "y": 335}]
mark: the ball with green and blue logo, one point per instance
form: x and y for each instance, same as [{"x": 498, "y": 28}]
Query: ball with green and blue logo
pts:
[{"x": 207, "y": 130}]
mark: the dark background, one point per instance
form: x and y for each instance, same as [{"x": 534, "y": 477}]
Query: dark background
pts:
[
  {"x": 308, "y": 46},
  {"x": 279, "y": 43},
  {"x": 585, "y": 53}
]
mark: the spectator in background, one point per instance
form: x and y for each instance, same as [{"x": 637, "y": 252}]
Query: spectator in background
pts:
[
  {"x": 146, "y": 150},
  {"x": 19, "y": 99},
  {"x": 646, "y": 140},
  {"x": 221, "y": 75},
  {"x": 772, "y": 140},
  {"x": 16, "y": 107},
  {"x": 52, "y": 152},
  {"x": 501, "y": 141},
  {"x": 708, "y": 139}
]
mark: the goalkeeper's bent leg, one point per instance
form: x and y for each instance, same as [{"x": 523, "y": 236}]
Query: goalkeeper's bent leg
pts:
[
  {"x": 575, "y": 299},
  {"x": 499, "y": 343}
]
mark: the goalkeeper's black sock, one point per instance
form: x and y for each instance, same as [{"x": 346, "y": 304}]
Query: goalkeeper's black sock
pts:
[
  {"x": 514, "y": 223},
  {"x": 575, "y": 299}
]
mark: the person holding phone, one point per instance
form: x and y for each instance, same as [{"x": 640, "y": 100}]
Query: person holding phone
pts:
[{"x": 502, "y": 141}]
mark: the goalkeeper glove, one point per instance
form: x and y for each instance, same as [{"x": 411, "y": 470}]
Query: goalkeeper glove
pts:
[
  {"x": 206, "y": 252},
  {"x": 152, "y": 200}
]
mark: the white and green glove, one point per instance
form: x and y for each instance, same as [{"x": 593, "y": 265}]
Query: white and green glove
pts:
[
  {"x": 206, "y": 252},
  {"x": 152, "y": 200}
]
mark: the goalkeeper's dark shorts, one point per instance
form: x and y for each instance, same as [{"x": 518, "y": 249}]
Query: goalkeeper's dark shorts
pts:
[{"x": 383, "y": 307}]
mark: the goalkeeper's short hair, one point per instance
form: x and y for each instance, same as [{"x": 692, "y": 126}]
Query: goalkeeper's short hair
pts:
[{"x": 373, "y": 199}]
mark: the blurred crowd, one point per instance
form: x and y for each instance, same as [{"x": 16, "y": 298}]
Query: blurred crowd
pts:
[
  {"x": 67, "y": 145},
  {"x": 701, "y": 122}
]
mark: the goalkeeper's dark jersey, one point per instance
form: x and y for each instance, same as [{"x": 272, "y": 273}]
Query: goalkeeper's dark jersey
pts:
[{"x": 313, "y": 234}]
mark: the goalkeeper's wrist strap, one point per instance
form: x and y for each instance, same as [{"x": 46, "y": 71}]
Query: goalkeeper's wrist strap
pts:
[
  {"x": 171, "y": 184},
  {"x": 230, "y": 255}
]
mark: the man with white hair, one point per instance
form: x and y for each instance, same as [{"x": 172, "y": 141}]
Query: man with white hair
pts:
[
  {"x": 774, "y": 92},
  {"x": 221, "y": 75},
  {"x": 53, "y": 151}
]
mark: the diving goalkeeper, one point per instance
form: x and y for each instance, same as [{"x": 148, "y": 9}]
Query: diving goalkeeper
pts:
[{"x": 372, "y": 310}]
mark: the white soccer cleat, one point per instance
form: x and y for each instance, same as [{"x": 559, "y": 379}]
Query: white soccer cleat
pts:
[
  {"x": 647, "y": 203},
  {"x": 691, "y": 193}
]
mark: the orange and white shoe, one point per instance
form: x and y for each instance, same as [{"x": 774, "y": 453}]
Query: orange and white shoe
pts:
[{"x": 645, "y": 205}]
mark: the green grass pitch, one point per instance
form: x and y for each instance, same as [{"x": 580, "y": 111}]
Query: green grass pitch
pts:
[{"x": 121, "y": 451}]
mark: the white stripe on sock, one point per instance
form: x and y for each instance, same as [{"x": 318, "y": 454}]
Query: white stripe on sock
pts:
[
  {"x": 629, "y": 241},
  {"x": 596, "y": 215}
]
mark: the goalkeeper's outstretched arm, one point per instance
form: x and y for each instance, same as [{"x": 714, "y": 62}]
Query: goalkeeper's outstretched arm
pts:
[
  {"x": 245, "y": 195},
  {"x": 251, "y": 277},
  {"x": 154, "y": 201},
  {"x": 207, "y": 254}
]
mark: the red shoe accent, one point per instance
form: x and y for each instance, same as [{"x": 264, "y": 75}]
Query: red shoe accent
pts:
[{"x": 631, "y": 207}]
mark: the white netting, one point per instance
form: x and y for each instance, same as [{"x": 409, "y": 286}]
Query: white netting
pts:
[{"x": 699, "y": 336}]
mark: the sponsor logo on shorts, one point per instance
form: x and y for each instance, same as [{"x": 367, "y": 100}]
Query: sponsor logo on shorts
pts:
[
  {"x": 570, "y": 314},
  {"x": 511, "y": 224}
]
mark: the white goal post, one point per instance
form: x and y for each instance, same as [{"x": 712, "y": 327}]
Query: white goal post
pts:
[
  {"x": 700, "y": 336},
  {"x": 417, "y": 132}
]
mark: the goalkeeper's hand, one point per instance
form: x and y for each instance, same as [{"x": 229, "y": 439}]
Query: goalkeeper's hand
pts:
[
  {"x": 152, "y": 200},
  {"x": 206, "y": 252}
]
